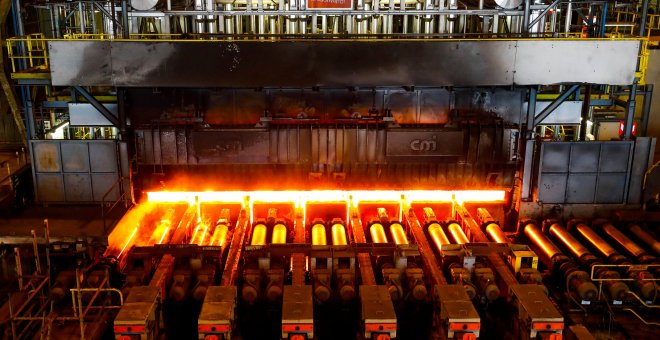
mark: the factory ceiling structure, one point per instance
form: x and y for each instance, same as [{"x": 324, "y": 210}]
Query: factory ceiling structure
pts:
[{"x": 328, "y": 169}]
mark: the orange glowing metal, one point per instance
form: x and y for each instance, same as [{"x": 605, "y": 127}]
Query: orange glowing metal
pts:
[
  {"x": 162, "y": 238},
  {"x": 457, "y": 233},
  {"x": 128, "y": 241},
  {"x": 279, "y": 234},
  {"x": 339, "y": 235},
  {"x": 398, "y": 234},
  {"x": 318, "y": 235},
  {"x": 377, "y": 233},
  {"x": 194, "y": 235},
  {"x": 301, "y": 197},
  {"x": 438, "y": 235},
  {"x": 204, "y": 232},
  {"x": 259, "y": 235},
  {"x": 219, "y": 235}
]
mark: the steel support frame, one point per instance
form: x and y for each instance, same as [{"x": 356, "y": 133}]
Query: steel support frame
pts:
[
  {"x": 542, "y": 14},
  {"x": 97, "y": 105},
  {"x": 538, "y": 119}
]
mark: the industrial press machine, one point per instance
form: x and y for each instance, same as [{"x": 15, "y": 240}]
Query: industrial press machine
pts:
[{"x": 338, "y": 169}]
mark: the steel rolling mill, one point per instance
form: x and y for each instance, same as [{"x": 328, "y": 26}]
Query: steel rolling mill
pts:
[{"x": 328, "y": 169}]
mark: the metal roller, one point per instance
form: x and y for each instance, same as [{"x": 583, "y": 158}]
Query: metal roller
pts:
[
  {"x": 457, "y": 233},
  {"x": 617, "y": 289},
  {"x": 495, "y": 233},
  {"x": 318, "y": 235},
  {"x": 438, "y": 235},
  {"x": 646, "y": 237},
  {"x": 569, "y": 241},
  {"x": 279, "y": 234},
  {"x": 398, "y": 234},
  {"x": 219, "y": 236},
  {"x": 339, "y": 235},
  {"x": 259, "y": 235},
  {"x": 595, "y": 240},
  {"x": 377, "y": 233},
  {"x": 535, "y": 235},
  {"x": 624, "y": 241}
]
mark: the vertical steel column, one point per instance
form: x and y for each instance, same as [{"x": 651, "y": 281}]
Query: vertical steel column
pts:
[
  {"x": 526, "y": 17},
  {"x": 642, "y": 22},
  {"x": 646, "y": 109},
  {"x": 527, "y": 148},
  {"x": 124, "y": 19},
  {"x": 585, "y": 112},
  {"x": 630, "y": 113},
  {"x": 121, "y": 112}
]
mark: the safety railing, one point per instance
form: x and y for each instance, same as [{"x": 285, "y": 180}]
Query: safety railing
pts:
[
  {"x": 28, "y": 52},
  {"x": 124, "y": 197}
]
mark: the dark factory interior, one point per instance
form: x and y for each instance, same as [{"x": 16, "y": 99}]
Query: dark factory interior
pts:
[{"x": 329, "y": 169}]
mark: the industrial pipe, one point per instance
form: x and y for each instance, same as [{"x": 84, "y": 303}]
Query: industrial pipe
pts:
[
  {"x": 398, "y": 234},
  {"x": 339, "y": 235},
  {"x": 495, "y": 233},
  {"x": 279, "y": 234},
  {"x": 318, "y": 235},
  {"x": 646, "y": 237},
  {"x": 438, "y": 235},
  {"x": 259, "y": 235},
  {"x": 457, "y": 233},
  {"x": 377, "y": 233}
]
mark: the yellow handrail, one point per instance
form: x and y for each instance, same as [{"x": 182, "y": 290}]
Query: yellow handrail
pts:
[{"x": 34, "y": 51}]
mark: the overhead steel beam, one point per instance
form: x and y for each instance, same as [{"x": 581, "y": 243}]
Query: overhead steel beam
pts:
[
  {"x": 97, "y": 105},
  {"x": 539, "y": 118}
]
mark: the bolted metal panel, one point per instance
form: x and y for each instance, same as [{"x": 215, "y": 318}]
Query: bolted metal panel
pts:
[
  {"x": 101, "y": 184},
  {"x": 77, "y": 164},
  {"x": 584, "y": 157},
  {"x": 168, "y": 145},
  {"x": 324, "y": 63},
  {"x": 552, "y": 188},
  {"x": 642, "y": 159},
  {"x": 50, "y": 187},
  {"x": 610, "y": 188},
  {"x": 85, "y": 114},
  {"x": 78, "y": 187},
  {"x": 46, "y": 156},
  {"x": 86, "y": 63},
  {"x": 103, "y": 156},
  {"x": 75, "y": 157},
  {"x": 568, "y": 61},
  {"x": 597, "y": 172},
  {"x": 580, "y": 188},
  {"x": 613, "y": 156},
  {"x": 555, "y": 157}
]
